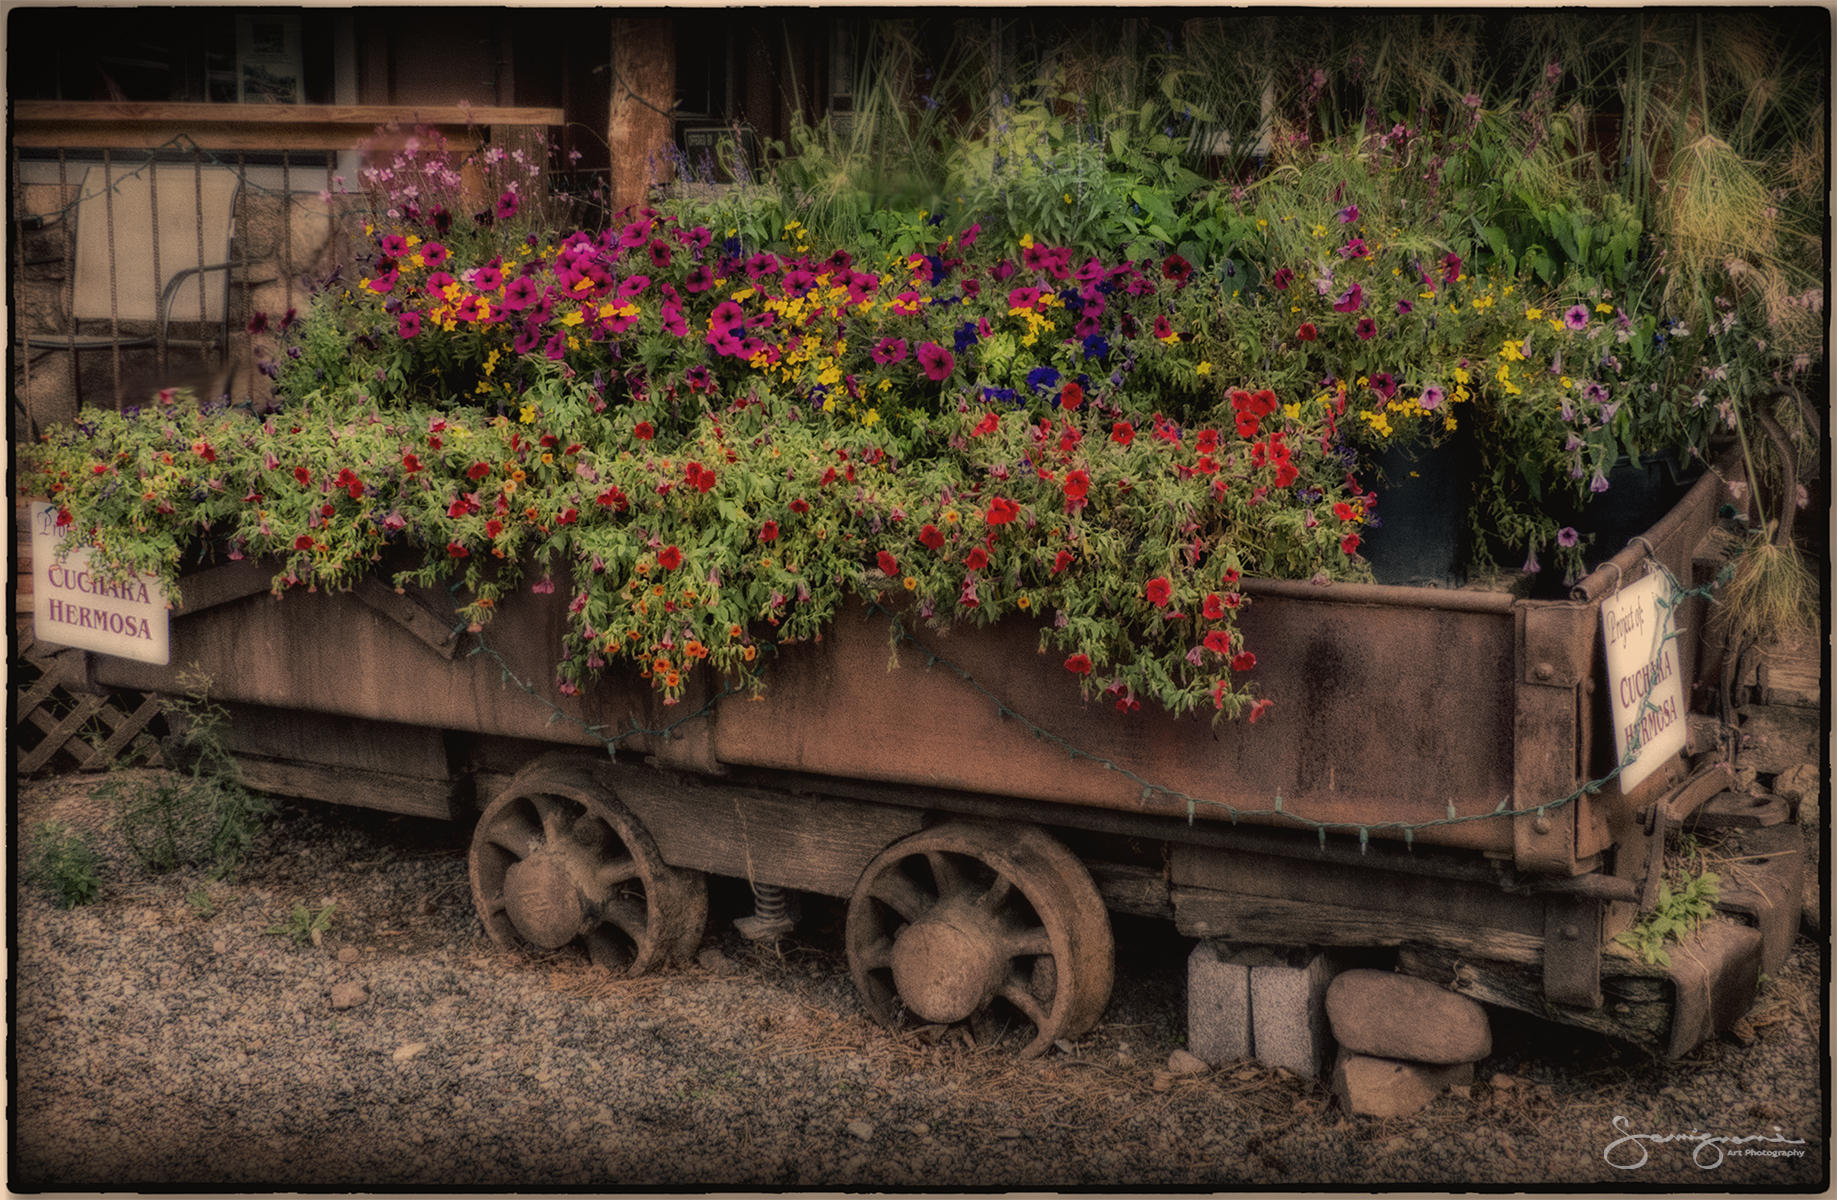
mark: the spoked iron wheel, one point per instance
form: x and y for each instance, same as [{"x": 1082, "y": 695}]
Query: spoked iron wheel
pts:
[
  {"x": 992, "y": 926},
  {"x": 557, "y": 861}
]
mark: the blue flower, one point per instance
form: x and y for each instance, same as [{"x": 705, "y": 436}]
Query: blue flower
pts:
[
  {"x": 965, "y": 336},
  {"x": 1042, "y": 377},
  {"x": 1095, "y": 346}
]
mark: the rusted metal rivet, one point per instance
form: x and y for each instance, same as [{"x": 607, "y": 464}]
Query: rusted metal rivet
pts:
[
  {"x": 1571, "y": 933},
  {"x": 1544, "y": 671},
  {"x": 1541, "y": 823}
]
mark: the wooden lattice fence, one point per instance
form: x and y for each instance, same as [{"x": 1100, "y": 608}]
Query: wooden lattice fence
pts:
[{"x": 60, "y": 720}]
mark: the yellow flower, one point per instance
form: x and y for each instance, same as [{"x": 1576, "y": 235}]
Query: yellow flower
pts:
[
  {"x": 573, "y": 318},
  {"x": 1320, "y": 231},
  {"x": 1533, "y": 314},
  {"x": 1292, "y": 410},
  {"x": 1026, "y": 241},
  {"x": 1460, "y": 375},
  {"x": 1604, "y": 307},
  {"x": 910, "y": 583},
  {"x": 528, "y": 414},
  {"x": 1204, "y": 368}
]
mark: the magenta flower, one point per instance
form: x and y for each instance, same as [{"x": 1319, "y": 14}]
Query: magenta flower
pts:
[
  {"x": 698, "y": 280},
  {"x": 760, "y": 265},
  {"x": 433, "y": 255},
  {"x": 888, "y": 350},
  {"x": 507, "y": 206},
  {"x": 487, "y": 279},
  {"x": 1353, "y": 249},
  {"x": 1451, "y": 267},
  {"x": 937, "y": 362},
  {"x": 1384, "y": 385},
  {"x": 557, "y": 346},
  {"x": 726, "y": 315},
  {"x": 660, "y": 253},
  {"x": 1350, "y": 300},
  {"x": 1432, "y": 397},
  {"x": 1348, "y": 214},
  {"x": 1405, "y": 308},
  {"x": 383, "y": 283},
  {"x": 1281, "y": 279},
  {"x": 1367, "y": 329},
  {"x": 438, "y": 282},
  {"x": 633, "y": 286},
  {"x": 395, "y": 246},
  {"x": 1023, "y": 297},
  {"x": 408, "y": 324},
  {"x": 634, "y": 235},
  {"x": 968, "y": 237},
  {"x": 1576, "y": 317},
  {"x": 521, "y": 293}
]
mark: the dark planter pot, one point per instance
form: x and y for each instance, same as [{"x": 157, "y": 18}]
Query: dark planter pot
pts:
[
  {"x": 1422, "y": 537},
  {"x": 1636, "y": 497}
]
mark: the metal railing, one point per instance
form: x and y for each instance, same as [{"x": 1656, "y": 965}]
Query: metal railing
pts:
[{"x": 144, "y": 232}]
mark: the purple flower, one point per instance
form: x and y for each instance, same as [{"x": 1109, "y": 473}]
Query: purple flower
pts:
[
  {"x": 1531, "y": 565},
  {"x": 1351, "y": 300},
  {"x": 1598, "y": 484},
  {"x": 1404, "y": 308},
  {"x": 1384, "y": 385},
  {"x": 1367, "y": 329},
  {"x": 1348, "y": 214},
  {"x": 1567, "y": 536},
  {"x": 1353, "y": 249},
  {"x": 1281, "y": 279},
  {"x": 408, "y": 324},
  {"x": 507, "y": 206},
  {"x": 1432, "y": 397},
  {"x": 1576, "y": 317},
  {"x": 1594, "y": 392},
  {"x": 761, "y": 265}
]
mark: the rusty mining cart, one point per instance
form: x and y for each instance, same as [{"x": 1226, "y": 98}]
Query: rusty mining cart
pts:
[{"x": 983, "y": 822}]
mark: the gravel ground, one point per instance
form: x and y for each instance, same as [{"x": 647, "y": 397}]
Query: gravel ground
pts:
[{"x": 158, "y": 1044}]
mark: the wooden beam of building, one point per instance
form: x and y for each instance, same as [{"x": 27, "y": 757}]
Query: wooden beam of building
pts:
[
  {"x": 638, "y": 123},
  {"x": 51, "y": 124}
]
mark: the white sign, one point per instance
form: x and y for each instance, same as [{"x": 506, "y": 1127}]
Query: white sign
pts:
[
  {"x": 73, "y": 606},
  {"x": 1643, "y": 678}
]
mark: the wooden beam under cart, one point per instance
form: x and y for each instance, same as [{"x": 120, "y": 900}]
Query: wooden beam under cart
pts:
[{"x": 54, "y": 124}]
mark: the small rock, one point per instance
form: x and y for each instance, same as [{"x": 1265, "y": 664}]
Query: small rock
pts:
[
  {"x": 861, "y": 1129},
  {"x": 1163, "y": 1080},
  {"x": 1502, "y": 1082},
  {"x": 404, "y": 1053},
  {"x": 1384, "y": 1087},
  {"x": 1064, "y": 1046},
  {"x": 710, "y": 958},
  {"x": 349, "y": 994},
  {"x": 220, "y": 946},
  {"x": 348, "y": 954},
  {"x": 1182, "y": 1062},
  {"x": 919, "y": 1129},
  {"x": 1387, "y": 1015},
  {"x": 1009, "y": 1133}
]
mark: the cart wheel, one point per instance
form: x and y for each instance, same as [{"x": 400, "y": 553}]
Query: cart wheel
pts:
[
  {"x": 557, "y": 861},
  {"x": 966, "y": 922}
]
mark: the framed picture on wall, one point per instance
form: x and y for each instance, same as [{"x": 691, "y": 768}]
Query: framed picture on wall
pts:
[{"x": 268, "y": 58}]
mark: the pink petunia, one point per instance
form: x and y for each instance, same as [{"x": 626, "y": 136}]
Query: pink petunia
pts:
[{"x": 937, "y": 362}]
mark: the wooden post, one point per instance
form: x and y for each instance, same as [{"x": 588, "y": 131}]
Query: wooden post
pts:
[{"x": 643, "y": 94}]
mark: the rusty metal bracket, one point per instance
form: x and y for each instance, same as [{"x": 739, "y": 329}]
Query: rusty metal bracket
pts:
[
  {"x": 1572, "y": 951},
  {"x": 1559, "y": 643}
]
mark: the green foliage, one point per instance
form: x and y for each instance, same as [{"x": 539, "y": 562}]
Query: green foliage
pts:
[
  {"x": 306, "y": 926},
  {"x": 60, "y": 860},
  {"x": 202, "y": 816},
  {"x": 1679, "y": 912}
]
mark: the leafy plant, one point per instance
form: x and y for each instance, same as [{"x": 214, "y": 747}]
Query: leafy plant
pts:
[
  {"x": 1678, "y": 914},
  {"x": 305, "y": 925},
  {"x": 60, "y": 860},
  {"x": 202, "y": 816}
]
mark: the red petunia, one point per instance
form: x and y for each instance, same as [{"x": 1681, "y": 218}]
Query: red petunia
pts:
[
  {"x": 1122, "y": 433},
  {"x": 477, "y": 471},
  {"x": 1307, "y": 332},
  {"x": 303, "y": 542},
  {"x": 977, "y": 559},
  {"x": 1079, "y": 664},
  {"x": 1077, "y": 484},
  {"x": 493, "y": 527},
  {"x": 1259, "y": 708},
  {"x": 455, "y": 550},
  {"x": 1243, "y": 661},
  {"x": 1159, "y": 591},
  {"x": 304, "y": 476},
  {"x": 670, "y": 558},
  {"x": 1218, "y": 641},
  {"x": 1343, "y": 511},
  {"x": 800, "y": 506},
  {"x": 768, "y": 532},
  {"x": 931, "y": 537},
  {"x": 1350, "y": 543},
  {"x": 1071, "y": 395},
  {"x": 643, "y": 431},
  {"x": 1061, "y": 560},
  {"x": 987, "y": 424},
  {"x": 1002, "y": 510},
  {"x": 410, "y": 463},
  {"x": 1214, "y": 607},
  {"x": 888, "y": 564}
]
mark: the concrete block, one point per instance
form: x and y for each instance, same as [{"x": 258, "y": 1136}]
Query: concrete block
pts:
[
  {"x": 1288, "y": 1011},
  {"x": 1217, "y": 1006}
]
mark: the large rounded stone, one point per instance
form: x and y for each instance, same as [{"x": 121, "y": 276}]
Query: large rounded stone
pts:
[{"x": 1400, "y": 1016}]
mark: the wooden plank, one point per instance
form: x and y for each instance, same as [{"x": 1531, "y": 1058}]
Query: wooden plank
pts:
[
  {"x": 55, "y": 124},
  {"x": 60, "y": 733},
  {"x": 1203, "y": 913},
  {"x": 413, "y": 795},
  {"x": 220, "y": 585},
  {"x": 816, "y": 844},
  {"x": 334, "y": 741},
  {"x": 413, "y": 614},
  {"x": 1645, "y": 1021},
  {"x": 1126, "y": 887}
]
